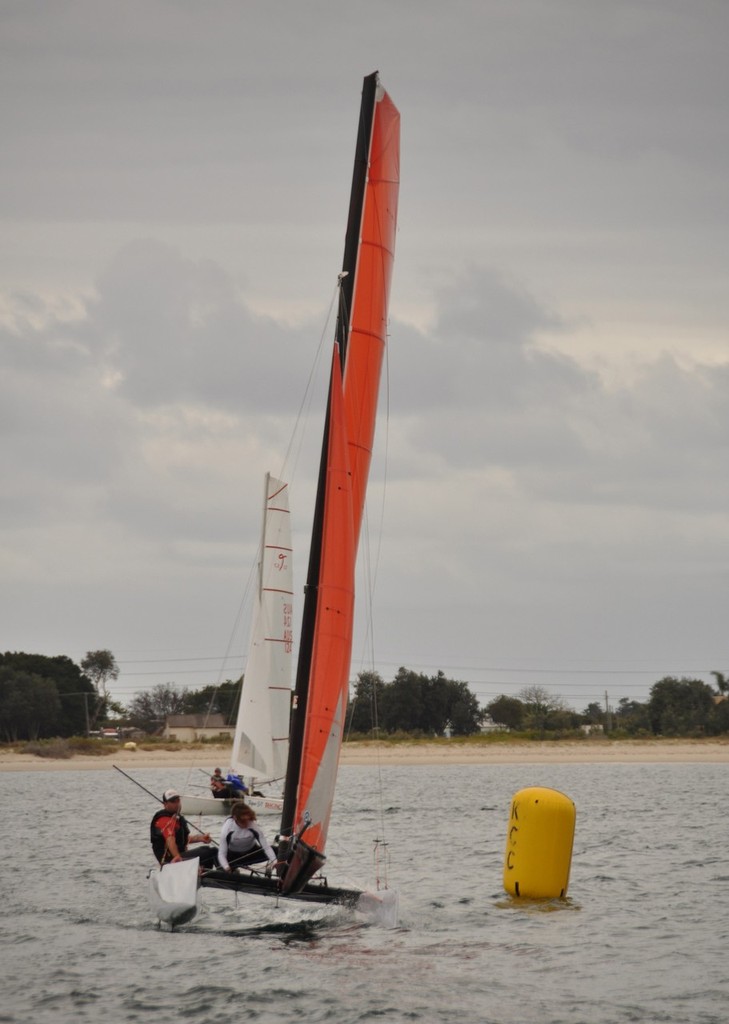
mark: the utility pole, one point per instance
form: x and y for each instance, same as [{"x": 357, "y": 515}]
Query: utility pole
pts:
[{"x": 608, "y": 723}]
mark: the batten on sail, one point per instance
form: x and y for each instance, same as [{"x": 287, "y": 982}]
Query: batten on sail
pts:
[
  {"x": 261, "y": 742},
  {"x": 367, "y": 322}
]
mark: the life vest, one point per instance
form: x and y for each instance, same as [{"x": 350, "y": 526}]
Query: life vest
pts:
[
  {"x": 246, "y": 836},
  {"x": 158, "y": 834}
]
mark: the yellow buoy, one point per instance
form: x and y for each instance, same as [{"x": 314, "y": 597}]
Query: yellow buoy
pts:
[{"x": 539, "y": 843}]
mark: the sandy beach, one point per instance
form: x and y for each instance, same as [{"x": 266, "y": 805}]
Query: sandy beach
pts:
[{"x": 415, "y": 753}]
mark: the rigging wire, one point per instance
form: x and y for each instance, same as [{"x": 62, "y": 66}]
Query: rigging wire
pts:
[
  {"x": 293, "y": 450},
  {"x": 294, "y": 446}
]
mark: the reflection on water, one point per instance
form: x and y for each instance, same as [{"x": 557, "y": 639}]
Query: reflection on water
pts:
[
  {"x": 641, "y": 935},
  {"x": 524, "y": 905}
]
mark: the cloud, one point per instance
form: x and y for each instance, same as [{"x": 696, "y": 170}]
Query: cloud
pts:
[
  {"x": 518, "y": 483},
  {"x": 173, "y": 196},
  {"x": 174, "y": 330},
  {"x": 137, "y": 410},
  {"x": 538, "y": 419}
]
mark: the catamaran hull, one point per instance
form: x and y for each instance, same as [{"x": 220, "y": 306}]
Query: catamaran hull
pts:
[
  {"x": 174, "y": 892},
  {"x": 209, "y": 805},
  {"x": 379, "y": 908},
  {"x": 258, "y": 884}
]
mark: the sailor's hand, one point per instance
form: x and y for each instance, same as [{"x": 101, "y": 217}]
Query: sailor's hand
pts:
[
  {"x": 205, "y": 838},
  {"x": 176, "y": 859}
]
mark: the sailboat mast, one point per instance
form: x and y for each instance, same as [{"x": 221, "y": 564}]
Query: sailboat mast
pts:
[
  {"x": 346, "y": 290},
  {"x": 306, "y": 646},
  {"x": 354, "y": 219}
]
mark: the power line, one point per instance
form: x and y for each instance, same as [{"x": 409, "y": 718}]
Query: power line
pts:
[{"x": 557, "y": 670}]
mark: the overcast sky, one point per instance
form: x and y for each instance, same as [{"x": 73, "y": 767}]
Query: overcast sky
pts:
[{"x": 551, "y": 485}]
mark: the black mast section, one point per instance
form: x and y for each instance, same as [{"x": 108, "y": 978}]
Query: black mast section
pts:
[{"x": 311, "y": 593}]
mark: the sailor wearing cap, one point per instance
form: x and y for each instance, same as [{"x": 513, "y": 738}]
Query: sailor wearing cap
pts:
[{"x": 170, "y": 836}]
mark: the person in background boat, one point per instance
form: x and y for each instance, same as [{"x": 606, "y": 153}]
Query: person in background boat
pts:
[
  {"x": 220, "y": 788},
  {"x": 242, "y": 841},
  {"x": 226, "y": 788},
  {"x": 237, "y": 785},
  {"x": 170, "y": 836}
]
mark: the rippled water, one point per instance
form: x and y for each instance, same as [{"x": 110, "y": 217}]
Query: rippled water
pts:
[{"x": 642, "y": 936}]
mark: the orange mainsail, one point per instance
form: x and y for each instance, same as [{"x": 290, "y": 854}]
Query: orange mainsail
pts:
[
  {"x": 368, "y": 320},
  {"x": 322, "y": 684},
  {"x": 329, "y": 674}
]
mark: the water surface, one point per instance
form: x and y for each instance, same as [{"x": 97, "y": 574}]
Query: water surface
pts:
[{"x": 641, "y": 937}]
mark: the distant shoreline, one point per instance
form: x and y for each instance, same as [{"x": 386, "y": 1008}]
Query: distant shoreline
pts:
[{"x": 603, "y": 751}]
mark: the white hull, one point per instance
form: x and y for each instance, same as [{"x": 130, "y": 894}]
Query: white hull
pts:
[
  {"x": 209, "y": 805},
  {"x": 174, "y": 893}
]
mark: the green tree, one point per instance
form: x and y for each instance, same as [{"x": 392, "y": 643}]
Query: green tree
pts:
[
  {"x": 593, "y": 714},
  {"x": 632, "y": 717},
  {"x": 223, "y": 700},
  {"x": 77, "y": 695},
  {"x": 436, "y": 717},
  {"x": 680, "y": 707},
  {"x": 722, "y": 682},
  {"x": 364, "y": 710},
  {"x": 464, "y": 712},
  {"x": 149, "y": 709},
  {"x": 403, "y": 701},
  {"x": 543, "y": 710},
  {"x": 100, "y": 667},
  {"x": 719, "y": 721},
  {"x": 416, "y": 703},
  {"x": 29, "y": 705},
  {"x": 508, "y": 711}
]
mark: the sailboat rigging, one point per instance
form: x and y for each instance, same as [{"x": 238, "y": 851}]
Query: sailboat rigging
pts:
[
  {"x": 322, "y": 680},
  {"x": 325, "y": 647}
]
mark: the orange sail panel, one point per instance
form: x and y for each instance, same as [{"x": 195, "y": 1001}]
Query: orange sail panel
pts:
[
  {"x": 329, "y": 675},
  {"x": 368, "y": 321},
  {"x": 322, "y": 681}
]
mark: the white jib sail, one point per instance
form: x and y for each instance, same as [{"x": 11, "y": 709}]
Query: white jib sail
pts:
[{"x": 261, "y": 742}]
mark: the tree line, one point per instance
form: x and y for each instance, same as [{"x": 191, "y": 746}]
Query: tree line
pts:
[
  {"x": 43, "y": 697},
  {"x": 675, "y": 707},
  {"x": 414, "y": 703}
]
